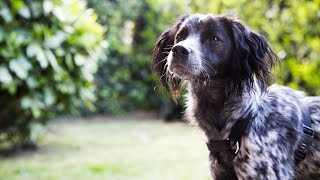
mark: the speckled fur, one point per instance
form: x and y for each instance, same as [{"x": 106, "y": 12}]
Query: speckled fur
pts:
[
  {"x": 216, "y": 102},
  {"x": 268, "y": 144}
]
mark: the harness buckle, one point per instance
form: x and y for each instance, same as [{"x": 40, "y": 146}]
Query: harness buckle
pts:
[
  {"x": 237, "y": 147},
  {"x": 306, "y": 141},
  {"x": 308, "y": 131}
]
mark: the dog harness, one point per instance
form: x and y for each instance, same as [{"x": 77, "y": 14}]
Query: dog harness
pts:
[
  {"x": 233, "y": 142},
  {"x": 307, "y": 137}
]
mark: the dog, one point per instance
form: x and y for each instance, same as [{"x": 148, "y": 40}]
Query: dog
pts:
[{"x": 226, "y": 69}]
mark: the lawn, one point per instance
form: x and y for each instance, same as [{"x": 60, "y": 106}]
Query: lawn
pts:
[{"x": 118, "y": 149}]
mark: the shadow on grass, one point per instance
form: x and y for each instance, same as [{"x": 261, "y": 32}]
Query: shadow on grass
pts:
[{"x": 18, "y": 150}]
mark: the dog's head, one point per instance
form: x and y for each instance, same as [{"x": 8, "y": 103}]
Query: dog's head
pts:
[{"x": 208, "y": 47}]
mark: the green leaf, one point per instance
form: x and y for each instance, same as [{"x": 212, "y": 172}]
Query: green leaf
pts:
[
  {"x": 36, "y": 8},
  {"x": 42, "y": 59},
  {"x": 87, "y": 96},
  {"x": 5, "y": 76},
  {"x": 22, "y": 37},
  {"x": 32, "y": 83},
  {"x": 69, "y": 61},
  {"x": 26, "y": 102},
  {"x": 67, "y": 87},
  {"x": 79, "y": 59},
  {"x": 52, "y": 60},
  {"x": 17, "y": 4},
  {"x": 34, "y": 50},
  {"x": 47, "y": 6},
  {"x": 24, "y": 12},
  {"x": 60, "y": 13},
  {"x": 60, "y": 52},
  {"x": 56, "y": 40},
  {"x": 20, "y": 67},
  {"x": 6, "y": 15}
]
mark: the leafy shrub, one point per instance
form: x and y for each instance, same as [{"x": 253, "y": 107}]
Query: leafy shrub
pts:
[
  {"x": 125, "y": 81},
  {"x": 115, "y": 92},
  {"x": 49, "y": 52}
]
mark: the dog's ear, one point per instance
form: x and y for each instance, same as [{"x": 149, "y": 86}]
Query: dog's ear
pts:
[
  {"x": 252, "y": 57},
  {"x": 160, "y": 53}
]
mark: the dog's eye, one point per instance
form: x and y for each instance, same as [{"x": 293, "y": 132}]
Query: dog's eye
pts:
[
  {"x": 214, "y": 39},
  {"x": 182, "y": 35}
]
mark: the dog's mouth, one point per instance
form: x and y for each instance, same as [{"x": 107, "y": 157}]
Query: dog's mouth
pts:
[{"x": 184, "y": 71}]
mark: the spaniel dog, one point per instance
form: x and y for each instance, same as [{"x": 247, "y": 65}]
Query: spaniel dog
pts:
[{"x": 226, "y": 69}]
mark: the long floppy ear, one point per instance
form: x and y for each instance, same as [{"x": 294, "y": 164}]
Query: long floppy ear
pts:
[
  {"x": 252, "y": 57},
  {"x": 160, "y": 53}
]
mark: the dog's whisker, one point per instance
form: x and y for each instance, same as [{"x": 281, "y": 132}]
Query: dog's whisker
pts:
[
  {"x": 205, "y": 74},
  {"x": 208, "y": 63},
  {"x": 164, "y": 70},
  {"x": 160, "y": 62}
]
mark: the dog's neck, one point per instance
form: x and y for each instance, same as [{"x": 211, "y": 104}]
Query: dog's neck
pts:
[
  {"x": 209, "y": 105},
  {"x": 212, "y": 93}
]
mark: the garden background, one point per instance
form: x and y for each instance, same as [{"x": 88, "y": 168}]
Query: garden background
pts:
[{"x": 85, "y": 67}]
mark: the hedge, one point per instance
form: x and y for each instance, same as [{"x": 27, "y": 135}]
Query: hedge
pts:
[{"x": 48, "y": 56}]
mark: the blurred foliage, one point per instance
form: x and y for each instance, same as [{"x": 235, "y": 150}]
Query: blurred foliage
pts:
[
  {"x": 113, "y": 78},
  {"x": 49, "y": 52},
  {"x": 125, "y": 81}
]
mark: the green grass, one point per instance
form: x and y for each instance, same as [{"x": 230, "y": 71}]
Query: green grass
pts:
[{"x": 113, "y": 150}]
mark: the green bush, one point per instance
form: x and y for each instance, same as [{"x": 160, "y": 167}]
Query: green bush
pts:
[
  {"x": 49, "y": 52},
  {"x": 125, "y": 82},
  {"x": 114, "y": 81}
]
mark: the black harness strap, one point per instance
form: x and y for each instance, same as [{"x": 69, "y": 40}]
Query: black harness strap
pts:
[
  {"x": 307, "y": 137},
  {"x": 219, "y": 146},
  {"x": 233, "y": 142}
]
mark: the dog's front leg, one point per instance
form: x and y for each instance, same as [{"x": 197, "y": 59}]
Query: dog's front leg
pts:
[{"x": 221, "y": 166}]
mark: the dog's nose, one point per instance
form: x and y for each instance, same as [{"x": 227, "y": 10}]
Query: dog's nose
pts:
[{"x": 180, "y": 51}]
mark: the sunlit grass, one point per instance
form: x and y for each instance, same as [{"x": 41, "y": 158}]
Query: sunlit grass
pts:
[{"x": 113, "y": 149}]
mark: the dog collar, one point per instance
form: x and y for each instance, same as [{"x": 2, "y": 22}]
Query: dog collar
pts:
[{"x": 233, "y": 142}]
